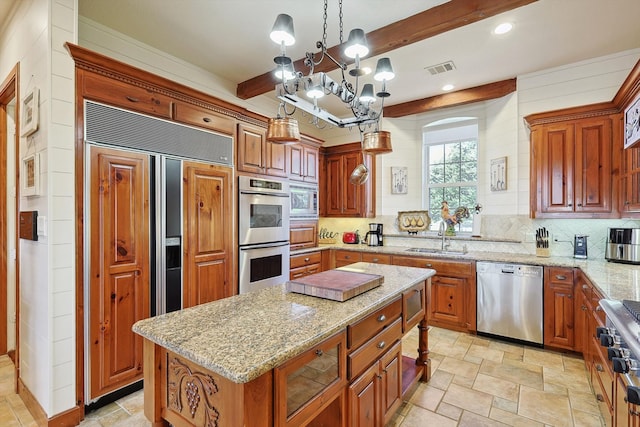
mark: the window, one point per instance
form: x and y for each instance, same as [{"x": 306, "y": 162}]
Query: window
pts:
[{"x": 451, "y": 168}]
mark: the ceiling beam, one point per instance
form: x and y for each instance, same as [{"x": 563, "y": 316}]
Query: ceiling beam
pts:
[
  {"x": 451, "y": 99},
  {"x": 431, "y": 22}
]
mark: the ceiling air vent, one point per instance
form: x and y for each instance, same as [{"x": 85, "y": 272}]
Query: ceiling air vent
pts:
[{"x": 441, "y": 68}]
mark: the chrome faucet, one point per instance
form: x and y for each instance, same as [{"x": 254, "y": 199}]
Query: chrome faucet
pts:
[{"x": 442, "y": 230}]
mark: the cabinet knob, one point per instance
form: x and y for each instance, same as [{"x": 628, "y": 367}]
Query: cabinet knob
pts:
[
  {"x": 428, "y": 265},
  {"x": 627, "y": 202},
  {"x": 382, "y": 318},
  {"x": 584, "y": 308},
  {"x": 561, "y": 277},
  {"x": 570, "y": 204},
  {"x": 579, "y": 205},
  {"x": 206, "y": 119},
  {"x": 319, "y": 352},
  {"x": 381, "y": 344},
  {"x": 306, "y": 260},
  {"x": 132, "y": 99},
  {"x": 374, "y": 260},
  {"x": 599, "y": 398},
  {"x": 585, "y": 286}
]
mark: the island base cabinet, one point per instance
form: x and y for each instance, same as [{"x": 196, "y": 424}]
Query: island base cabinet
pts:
[
  {"x": 184, "y": 394},
  {"x": 376, "y": 394}
]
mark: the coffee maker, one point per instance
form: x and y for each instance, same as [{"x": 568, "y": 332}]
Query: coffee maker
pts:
[{"x": 374, "y": 235}]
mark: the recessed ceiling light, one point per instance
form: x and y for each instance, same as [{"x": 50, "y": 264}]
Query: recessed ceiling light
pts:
[
  {"x": 503, "y": 28},
  {"x": 447, "y": 87}
]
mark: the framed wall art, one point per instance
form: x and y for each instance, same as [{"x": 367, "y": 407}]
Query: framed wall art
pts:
[
  {"x": 30, "y": 174},
  {"x": 499, "y": 174},
  {"x": 632, "y": 123},
  {"x": 29, "y": 113},
  {"x": 399, "y": 180}
]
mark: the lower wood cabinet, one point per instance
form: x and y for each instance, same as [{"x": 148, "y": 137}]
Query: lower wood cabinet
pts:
[
  {"x": 305, "y": 264},
  {"x": 376, "y": 394},
  {"x": 344, "y": 257},
  {"x": 559, "y": 329},
  {"x": 308, "y": 384}
]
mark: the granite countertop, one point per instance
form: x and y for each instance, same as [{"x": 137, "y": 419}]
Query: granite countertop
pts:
[
  {"x": 615, "y": 280},
  {"x": 244, "y": 336}
]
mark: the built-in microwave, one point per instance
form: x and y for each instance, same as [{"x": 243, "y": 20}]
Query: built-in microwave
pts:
[{"x": 304, "y": 201}]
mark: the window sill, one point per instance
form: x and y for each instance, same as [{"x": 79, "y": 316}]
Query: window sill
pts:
[{"x": 459, "y": 237}]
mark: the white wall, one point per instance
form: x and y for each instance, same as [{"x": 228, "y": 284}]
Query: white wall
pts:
[{"x": 34, "y": 37}]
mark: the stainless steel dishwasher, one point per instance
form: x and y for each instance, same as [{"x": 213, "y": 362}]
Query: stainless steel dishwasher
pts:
[{"x": 509, "y": 301}]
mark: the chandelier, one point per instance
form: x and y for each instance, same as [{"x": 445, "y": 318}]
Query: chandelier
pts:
[{"x": 304, "y": 90}]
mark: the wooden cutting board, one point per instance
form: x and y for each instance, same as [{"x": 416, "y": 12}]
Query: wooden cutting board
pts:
[{"x": 336, "y": 285}]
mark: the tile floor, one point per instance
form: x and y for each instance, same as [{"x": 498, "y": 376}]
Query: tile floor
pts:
[{"x": 475, "y": 382}]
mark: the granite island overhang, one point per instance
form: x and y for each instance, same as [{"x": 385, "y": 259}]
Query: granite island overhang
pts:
[{"x": 241, "y": 339}]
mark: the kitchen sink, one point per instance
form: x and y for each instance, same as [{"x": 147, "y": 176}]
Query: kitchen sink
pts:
[{"x": 435, "y": 251}]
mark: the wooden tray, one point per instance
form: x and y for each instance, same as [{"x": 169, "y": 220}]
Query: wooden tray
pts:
[{"x": 336, "y": 285}]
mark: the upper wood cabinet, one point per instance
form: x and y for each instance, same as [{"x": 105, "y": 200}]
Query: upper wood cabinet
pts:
[
  {"x": 630, "y": 184},
  {"x": 303, "y": 160},
  {"x": 204, "y": 118},
  {"x": 256, "y": 155},
  {"x": 574, "y": 169},
  {"x": 339, "y": 197}
]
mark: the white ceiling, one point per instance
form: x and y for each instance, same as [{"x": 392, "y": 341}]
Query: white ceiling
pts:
[{"x": 230, "y": 37}]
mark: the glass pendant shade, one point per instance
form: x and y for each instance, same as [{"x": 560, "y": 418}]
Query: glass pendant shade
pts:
[
  {"x": 367, "y": 94},
  {"x": 356, "y": 44},
  {"x": 384, "y": 71},
  {"x": 283, "y": 130},
  {"x": 378, "y": 142},
  {"x": 282, "y": 31},
  {"x": 285, "y": 72}
]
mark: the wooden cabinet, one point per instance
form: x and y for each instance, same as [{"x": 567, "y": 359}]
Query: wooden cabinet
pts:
[
  {"x": 414, "y": 305},
  {"x": 630, "y": 192},
  {"x": 376, "y": 394},
  {"x": 257, "y": 155},
  {"x": 574, "y": 169},
  {"x": 311, "y": 382},
  {"x": 303, "y": 234},
  {"x": 204, "y": 118},
  {"x": 302, "y": 161},
  {"x": 376, "y": 258},
  {"x": 305, "y": 264},
  {"x": 453, "y": 291},
  {"x": 343, "y": 257},
  {"x": 127, "y": 96},
  {"x": 559, "y": 304},
  {"x": 339, "y": 197},
  {"x": 208, "y": 226}
]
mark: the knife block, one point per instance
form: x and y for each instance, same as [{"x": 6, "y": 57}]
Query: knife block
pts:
[{"x": 543, "y": 252}]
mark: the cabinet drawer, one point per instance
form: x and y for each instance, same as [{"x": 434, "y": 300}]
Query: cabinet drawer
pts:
[
  {"x": 204, "y": 118},
  {"x": 347, "y": 257},
  {"x": 306, "y": 270},
  {"x": 603, "y": 375},
  {"x": 364, "y": 329},
  {"x": 308, "y": 258},
  {"x": 127, "y": 96},
  {"x": 371, "y": 351},
  {"x": 376, "y": 258},
  {"x": 442, "y": 266},
  {"x": 560, "y": 275}
]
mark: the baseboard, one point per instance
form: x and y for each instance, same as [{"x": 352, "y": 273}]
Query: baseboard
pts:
[{"x": 72, "y": 417}]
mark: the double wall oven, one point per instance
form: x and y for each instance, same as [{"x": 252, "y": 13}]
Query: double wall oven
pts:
[{"x": 263, "y": 232}]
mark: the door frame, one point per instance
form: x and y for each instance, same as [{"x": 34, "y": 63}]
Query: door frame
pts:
[{"x": 9, "y": 90}]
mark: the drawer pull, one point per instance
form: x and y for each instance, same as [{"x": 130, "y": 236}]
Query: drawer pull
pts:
[
  {"x": 306, "y": 260},
  {"x": 599, "y": 398},
  {"x": 599, "y": 367},
  {"x": 132, "y": 99},
  {"x": 585, "y": 286},
  {"x": 206, "y": 119},
  {"x": 633, "y": 413},
  {"x": 381, "y": 344},
  {"x": 382, "y": 318},
  {"x": 375, "y": 260},
  {"x": 561, "y": 277},
  {"x": 319, "y": 352},
  {"x": 428, "y": 265},
  {"x": 598, "y": 308},
  {"x": 584, "y": 308},
  {"x": 347, "y": 257}
]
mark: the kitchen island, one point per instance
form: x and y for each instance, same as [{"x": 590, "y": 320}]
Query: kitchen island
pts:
[{"x": 237, "y": 361}]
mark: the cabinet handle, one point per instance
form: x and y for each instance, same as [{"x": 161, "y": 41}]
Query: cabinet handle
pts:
[
  {"x": 428, "y": 265},
  {"x": 579, "y": 205},
  {"x": 599, "y": 398},
  {"x": 585, "y": 286},
  {"x": 599, "y": 367},
  {"x": 347, "y": 257},
  {"x": 584, "y": 308},
  {"x": 561, "y": 277},
  {"x": 319, "y": 352},
  {"x": 627, "y": 202},
  {"x": 570, "y": 204},
  {"x": 374, "y": 260},
  {"x": 381, "y": 344},
  {"x": 132, "y": 99},
  {"x": 382, "y": 318},
  {"x": 632, "y": 412},
  {"x": 206, "y": 119},
  {"x": 306, "y": 260},
  {"x": 570, "y": 296}
]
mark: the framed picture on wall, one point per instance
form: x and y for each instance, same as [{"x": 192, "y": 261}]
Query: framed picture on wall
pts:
[
  {"x": 632, "y": 123},
  {"x": 499, "y": 174},
  {"x": 399, "y": 183},
  {"x": 30, "y": 175},
  {"x": 29, "y": 113}
]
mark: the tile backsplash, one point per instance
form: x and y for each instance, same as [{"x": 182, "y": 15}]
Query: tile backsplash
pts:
[{"x": 500, "y": 233}]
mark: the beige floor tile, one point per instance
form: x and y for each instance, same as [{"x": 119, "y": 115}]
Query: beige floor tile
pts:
[
  {"x": 585, "y": 402},
  {"x": 449, "y": 411},
  {"x": 7, "y": 417},
  {"x": 459, "y": 367},
  {"x": 485, "y": 352},
  {"x": 466, "y": 382},
  {"x": 469, "y": 419},
  {"x": 456, "y": 351},
  {"x": 505, "y": 405},
  {"x": 497, "y": 387},
  {"x": 471, "y": 400},
  {"x": 540, "y": 357},
  {"x": 419, "y": 417},
  {"x": 427, "y": 397},
  {"x": 585, "y": 419},
  {"x": 514, "y": 371},
  {"x": 513, "y": 349},
  {"x": 134, "y": 403},
  {"x": 441, "y": 379},
  {"x": 473, "y": 359},
  {"x": 512, "y": 419},
  {"x": 571, "y": 379},
  {"x": 548, "y": 408}
]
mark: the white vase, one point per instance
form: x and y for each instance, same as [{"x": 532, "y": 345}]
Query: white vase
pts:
[{"x": 477, "y": 223}]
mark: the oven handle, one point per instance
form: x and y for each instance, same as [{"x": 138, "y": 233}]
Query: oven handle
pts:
[
  {"x": 264, "y": 194},
  {"x": 263, "y": 246}
]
